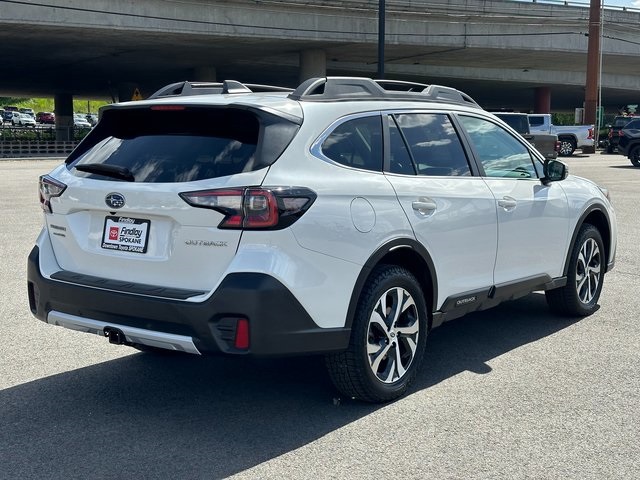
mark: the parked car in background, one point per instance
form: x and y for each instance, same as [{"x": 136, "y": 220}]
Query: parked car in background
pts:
[
  {"x": 80, "y": 122},
  {"x": 546, "y": 143},
  {"x": 615, "y": 131},
  {"x": 8, "y": 111},
  {"x": 22, "y": 120},
  {"x": 92, "y": 118},
  {"x": 570, "y": 137},
  {"x": 629, "y": 141},
  {"x": 45, "y": 117},
  {"x": 28, "y": 111}
]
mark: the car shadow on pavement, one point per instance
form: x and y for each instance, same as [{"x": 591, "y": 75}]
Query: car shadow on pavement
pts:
[{"x": 180, "y": 416}]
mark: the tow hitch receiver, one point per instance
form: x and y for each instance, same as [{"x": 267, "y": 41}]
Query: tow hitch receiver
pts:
[{"x": 115, "y": 335}]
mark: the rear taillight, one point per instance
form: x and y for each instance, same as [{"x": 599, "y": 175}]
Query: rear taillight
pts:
[
  {"x": 590, "y": 134},
  {"x": 254, "y": 208},
  {"x": 49, "y": 188},
  {"x": 557, "y": 146}
]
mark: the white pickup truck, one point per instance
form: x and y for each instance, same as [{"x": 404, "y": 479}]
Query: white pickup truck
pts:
[{"x": 570, "y": 137}]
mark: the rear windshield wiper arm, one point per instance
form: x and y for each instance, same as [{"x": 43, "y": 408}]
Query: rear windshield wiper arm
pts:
[{"x": 114, "y": 171}]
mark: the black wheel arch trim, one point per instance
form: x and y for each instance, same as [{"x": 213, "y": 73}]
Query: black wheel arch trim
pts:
[
  {"x": 606, "y": 239},
  {"x": 377, "y": 257}
]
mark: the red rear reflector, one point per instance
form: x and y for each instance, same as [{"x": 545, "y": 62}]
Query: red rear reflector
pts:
[
  {"x": 241, "y": 341},
  {"x": 168, "y": 107}
]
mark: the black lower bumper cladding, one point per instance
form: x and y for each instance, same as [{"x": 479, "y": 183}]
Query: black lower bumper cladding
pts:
[{"x": 278, "y": 323}]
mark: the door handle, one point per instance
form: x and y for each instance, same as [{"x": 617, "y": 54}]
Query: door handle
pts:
[
  {"x": 508, "y": 203},
  {"x": 424, "y": 205}
]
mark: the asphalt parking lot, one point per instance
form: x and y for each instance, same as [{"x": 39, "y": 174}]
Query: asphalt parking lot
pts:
[{"x": 510, "y": 393}]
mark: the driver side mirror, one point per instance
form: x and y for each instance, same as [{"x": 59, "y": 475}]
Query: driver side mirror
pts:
[{"x": 554, "y": 171}]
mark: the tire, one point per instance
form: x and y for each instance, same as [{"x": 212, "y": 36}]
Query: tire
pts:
[
  {"x": 579, "y": 297},
  {"x": 387, "y": 345},
  {"x": 609, "y": 148},
  {"x": 634, "y": 156},
  {"x": 567, "y": 147}
]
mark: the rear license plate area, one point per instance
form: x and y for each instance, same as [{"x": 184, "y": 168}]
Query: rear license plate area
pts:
[{"x": 126, "y": 234}]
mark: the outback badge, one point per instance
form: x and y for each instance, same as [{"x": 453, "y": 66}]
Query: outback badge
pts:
[{"x": 114, "y": 200}]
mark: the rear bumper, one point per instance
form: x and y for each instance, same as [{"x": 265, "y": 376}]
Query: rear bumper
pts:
[{"x": 278, "y": 324}]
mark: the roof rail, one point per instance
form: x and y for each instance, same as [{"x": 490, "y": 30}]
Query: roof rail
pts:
[
  {"x": 183, "y": 89},
  {"x": 361, "y": 88}
]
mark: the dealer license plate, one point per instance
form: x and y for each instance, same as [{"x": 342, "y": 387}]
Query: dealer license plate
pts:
[{"x": 126, "y": 234}]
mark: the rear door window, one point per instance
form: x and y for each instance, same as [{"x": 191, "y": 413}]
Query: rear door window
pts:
[{"x": 433, "y": 144}]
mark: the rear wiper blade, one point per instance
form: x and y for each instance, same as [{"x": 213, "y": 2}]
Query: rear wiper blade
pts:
[{"x": 114, "y": 171}]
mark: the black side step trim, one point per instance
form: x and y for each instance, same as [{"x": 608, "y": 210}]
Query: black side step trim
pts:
[{"x": 127, "y": 287}]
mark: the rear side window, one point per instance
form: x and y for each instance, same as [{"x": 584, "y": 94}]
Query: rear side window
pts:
[
  {"x": 356, "y": 143},
  {"x": 434, "y": 144},
  {"x": 182, "y": 144}
]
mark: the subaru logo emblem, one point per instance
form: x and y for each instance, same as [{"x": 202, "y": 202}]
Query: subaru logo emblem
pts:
[{"x": 114, "y": 200}]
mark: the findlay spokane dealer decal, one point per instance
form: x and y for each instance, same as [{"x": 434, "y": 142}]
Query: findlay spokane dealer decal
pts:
[{"x": 126, "y": 234}]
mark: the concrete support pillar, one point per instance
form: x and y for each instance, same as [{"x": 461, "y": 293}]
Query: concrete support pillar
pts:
[
  {"x": 313, "y": 63},
  {"x": 63, "y": 108},
  {"x": 542, "y": 100},
  {"x": 204, "y": 74}
]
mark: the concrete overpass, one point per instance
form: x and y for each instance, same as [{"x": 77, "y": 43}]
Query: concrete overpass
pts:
[{"x": 523, "y": 55}]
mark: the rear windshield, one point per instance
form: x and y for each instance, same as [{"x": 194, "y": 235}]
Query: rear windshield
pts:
[{"x": 181, "y": 144}]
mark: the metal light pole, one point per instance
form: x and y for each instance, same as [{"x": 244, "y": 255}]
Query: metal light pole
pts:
[
  {"x": 593, "y": 64},
  {"x": 381, "y": 21}
]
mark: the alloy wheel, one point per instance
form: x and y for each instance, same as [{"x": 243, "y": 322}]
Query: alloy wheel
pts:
[
  {"x": 392, "y": 336},
  {"x": 566, "y": 147},
  {"x": 588, "y": 271}
]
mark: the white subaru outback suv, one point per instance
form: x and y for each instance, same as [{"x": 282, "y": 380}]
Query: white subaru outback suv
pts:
[{"x": 347, "y": 218}]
